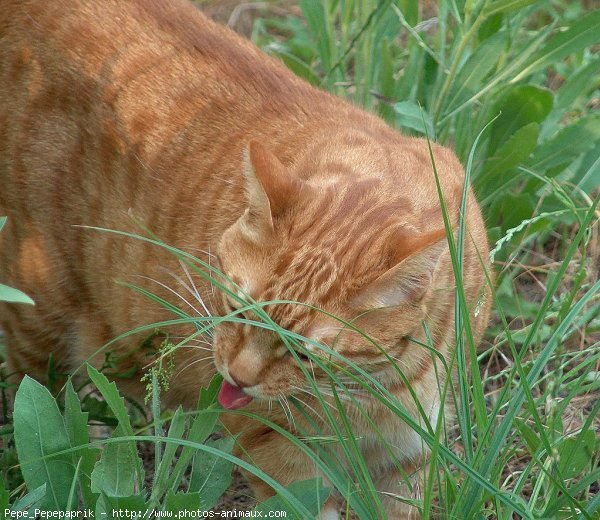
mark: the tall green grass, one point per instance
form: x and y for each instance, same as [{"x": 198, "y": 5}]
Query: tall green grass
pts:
[
  {"x": 511, "y": 85},
  {"x": 521, "y": 79}
]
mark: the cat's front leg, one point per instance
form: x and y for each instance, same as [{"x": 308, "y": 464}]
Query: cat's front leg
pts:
[
  {"x": 262, "y": 492},
  {"x": 397, "y": 487},
  {"x": 330, "y": 510}
]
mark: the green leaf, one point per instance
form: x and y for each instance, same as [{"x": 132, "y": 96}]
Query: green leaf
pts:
[
  {"x": 587, "y": 177},
  {"x": 519, "y": 107},
  {"x": 387, "y": 82},
  {"x": 583, "y": 33},
  {"x": 4, "y": 495},
  {"x": 134, "y": 503},
  {"x": 490, "y": 26},
  {"x": 115, "y": 474},
  {"x": 532, "y": 440},
  {"x": 176, "y": 430},
  {"x": 202, "y": 426},
  {"x": 9, "y": 294},
  {"x": 476, "y": 68},
  {"x": 567, "y": 144},
  {"x": 410, "y": 10},
  {"x": 211, "y": 474},
  {"x": 2, "y": 222},
  {"x": 310, "y": 492},
  {"x": 32, "y": 500},
  {"x": 39, "y": 432},
  {"x": 184, "y": 502},
  {"x": 512, "y": 153},
  {"x": 572, "y": 96},
  {"x": 505, "y": 6},
  {"x": 579, "y": 84},
  {"x": 208, "y": 395},
  {"x": 117, "y": 405},
  {"x": 316, "y": 17},
  {"x": 411, "y": 115},
  {"x": 575, "y": 454},
  {"x": 77, "y": 429}
]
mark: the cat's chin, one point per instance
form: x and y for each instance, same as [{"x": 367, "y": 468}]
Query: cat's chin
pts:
[{"x": 233, "y": 397}]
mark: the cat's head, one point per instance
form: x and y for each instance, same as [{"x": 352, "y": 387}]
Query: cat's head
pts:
[{"x": 341, "y": 247}]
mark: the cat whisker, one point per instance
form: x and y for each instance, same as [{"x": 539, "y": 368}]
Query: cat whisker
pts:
[
  {"x": 195, "y": 347},
  {"x": 342, "y": 395},
  {"x": 171, "y": 290},
  {"x": 192, "y": 364},
  {"x": 311, "y": 408},
  {"x": 195, "y": 291},
  {"x": 183, "y": 284},
  {"x": 400, "y": 362},
  {"x": 199, "y": 250},
  {"x": 311, "y": 394},
  {"x": 196, "y": 341},
  {"x": 287, "y": 411}
]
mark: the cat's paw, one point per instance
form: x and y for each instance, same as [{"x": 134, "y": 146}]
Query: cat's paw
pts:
[{"x": 330, "y": 511}]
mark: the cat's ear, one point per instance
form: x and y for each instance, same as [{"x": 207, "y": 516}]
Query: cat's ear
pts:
[
  {"x": 414, "y": 257},
  {"x": 270, "y": 187}
]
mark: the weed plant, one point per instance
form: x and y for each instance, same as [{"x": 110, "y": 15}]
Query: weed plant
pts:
[{"x": 512, "y": 86}]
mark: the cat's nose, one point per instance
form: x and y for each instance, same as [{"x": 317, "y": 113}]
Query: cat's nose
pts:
[
  {"x": 238, "y": 379},
  {"x": 244, "y": 368}
]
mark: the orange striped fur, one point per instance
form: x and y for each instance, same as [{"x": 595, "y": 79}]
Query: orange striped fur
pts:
[{"x": 114, "y": 112}]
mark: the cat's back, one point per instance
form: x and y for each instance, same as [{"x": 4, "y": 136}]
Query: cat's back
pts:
[{"x": 123, "y": 41}]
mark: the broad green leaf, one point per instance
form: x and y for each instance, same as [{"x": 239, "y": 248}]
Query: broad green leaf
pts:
[
  {"x": 112, "y": 397},
  {"x": 572, "y": 96},
  {"x": 202, "y": 426},
  {"x": 2, "y": 222},
  {"x": 32, "y": 500},
  {"x": 132, "y": 504},
  {"x": 4, "y": 495},
  {"x": 115, "y": 474},
  {"x": 387, "y": 82},
  {"x": 582, "y": 33},
  {"x": 410, "y": 10},
  {"x": 585, "y": 80},
  {"x": 310, "y": 492},
  {"x": 183, "y": 502},
  {"x": 587, "y": 177},
  {"x": 176, "y": 430},
  {"x": 504, "y": 6},
  {"x": 208, "y": 395},
  {"x": 316, "y": 17},
  {"x": 411, "y": 115},
  {"x": 39, "y": 434},
  {"x": 512, "y": 153},
  {"x": 520, "y": 106},
  {"x": 117, "y": 405},
  {"x": 532, "y": 440},
  {"x": 575, "y": 454},
  {"x": 512, "y": 304},
  {"x": 509, "y": 68},
  {"x": 490, "y": 26},
  {"x": 476, "y": 68},
  {"x": 77, "y": 429},
  {"x": 211, "y": 475},
  {"x": 567, "y": 144},
  {"x": 9, "y": 294}
]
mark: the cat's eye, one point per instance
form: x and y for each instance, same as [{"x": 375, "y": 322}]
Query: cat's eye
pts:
[{"x": 233, "y": 307}]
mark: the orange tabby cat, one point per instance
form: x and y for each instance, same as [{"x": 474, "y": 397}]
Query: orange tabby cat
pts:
[{"x": 113, "y": 109}]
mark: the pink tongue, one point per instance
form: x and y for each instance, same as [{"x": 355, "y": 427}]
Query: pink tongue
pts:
[{"x": 233, "y": 397}]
